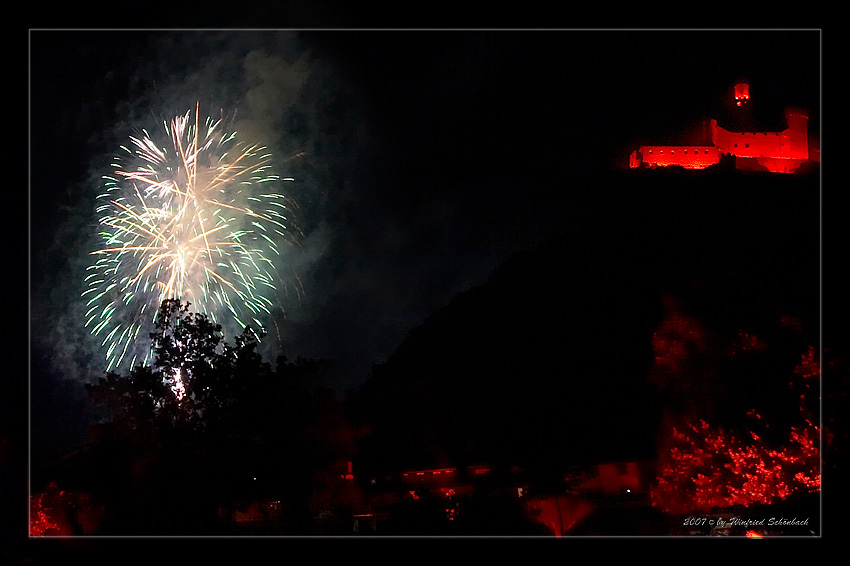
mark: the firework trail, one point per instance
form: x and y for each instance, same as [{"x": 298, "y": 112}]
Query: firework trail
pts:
[{"x": 198, "y": 216}]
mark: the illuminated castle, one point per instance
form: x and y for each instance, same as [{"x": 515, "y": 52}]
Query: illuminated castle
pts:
[{"x": 778, "y": 152}]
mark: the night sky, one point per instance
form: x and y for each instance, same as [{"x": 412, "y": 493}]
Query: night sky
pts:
[{"x": 424, "y": 157}]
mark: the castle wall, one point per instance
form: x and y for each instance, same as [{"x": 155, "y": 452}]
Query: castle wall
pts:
[
  {"x": 791, "y": 143},
  {"x": 689, "y": 157},
  {"x": 747, "y": 144}
]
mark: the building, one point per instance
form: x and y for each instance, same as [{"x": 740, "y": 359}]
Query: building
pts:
[{"x": 782, "y": 151}]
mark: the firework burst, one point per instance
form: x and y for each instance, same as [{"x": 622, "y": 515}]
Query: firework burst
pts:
[{"x": 194, "y": 214}]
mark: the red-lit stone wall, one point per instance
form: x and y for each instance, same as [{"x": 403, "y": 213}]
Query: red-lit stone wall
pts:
[
  {"x": 791, "y": 143},
  {"x": 745, "y": 144},
  {"x": 690, "y": 157}
]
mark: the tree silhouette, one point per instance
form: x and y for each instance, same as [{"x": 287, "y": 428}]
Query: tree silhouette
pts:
[
  {"x": 209, "y": 427},
  {"x": 193, "y": 380}
]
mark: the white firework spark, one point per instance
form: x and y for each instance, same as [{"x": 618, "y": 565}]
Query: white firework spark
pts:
[{"x": 199, "y": 216}]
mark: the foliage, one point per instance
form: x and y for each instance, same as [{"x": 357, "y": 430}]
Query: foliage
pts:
[
  {"x": 713, "y": 461},
  {"x": 709, "y": 468},
  {"x": 211, "y": 426},
  {"x": 193, "y": 380}
]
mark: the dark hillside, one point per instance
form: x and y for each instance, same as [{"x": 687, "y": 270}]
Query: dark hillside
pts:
[{"x": 545, "y": 364}]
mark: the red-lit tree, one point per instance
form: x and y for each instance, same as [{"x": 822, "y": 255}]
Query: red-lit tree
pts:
[{"x": 706, "y": 467}]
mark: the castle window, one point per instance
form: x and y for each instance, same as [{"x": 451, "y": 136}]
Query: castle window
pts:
[{"x": 746, "y": 145}]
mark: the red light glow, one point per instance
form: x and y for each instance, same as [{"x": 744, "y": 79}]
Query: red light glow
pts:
[
  {"x": 560, "y": 513},
  {"x": 419, "y": 476}
]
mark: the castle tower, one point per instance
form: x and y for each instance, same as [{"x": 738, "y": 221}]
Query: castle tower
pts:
[
  {"x": 795, "y": 140},
  {"x": 741, "y": 93},
  {"x": 738, "y": 114}
]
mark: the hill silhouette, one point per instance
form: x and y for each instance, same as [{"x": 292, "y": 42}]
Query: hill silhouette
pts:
[{"x": 545, "y": 364}]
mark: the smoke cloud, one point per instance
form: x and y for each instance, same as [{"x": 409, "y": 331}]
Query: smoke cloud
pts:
[{"x": 262, "y": 84}]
